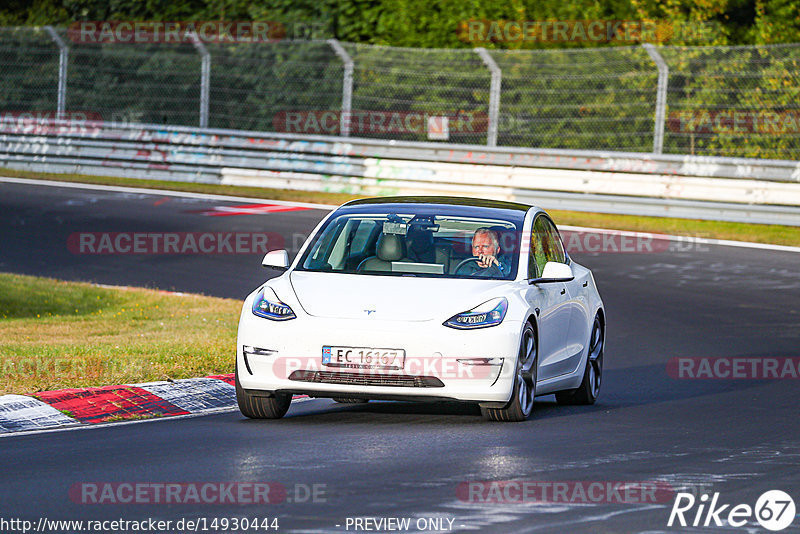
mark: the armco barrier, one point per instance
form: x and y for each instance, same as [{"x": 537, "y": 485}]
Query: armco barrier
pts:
[{"x": 763, "y": 191}]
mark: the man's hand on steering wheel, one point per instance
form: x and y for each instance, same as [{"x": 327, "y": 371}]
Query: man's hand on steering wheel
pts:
[
  {"x": 480, "y": 265},
  {"x": 487, "y": 260}
]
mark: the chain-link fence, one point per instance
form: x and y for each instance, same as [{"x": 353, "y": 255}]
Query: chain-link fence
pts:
[
  {"x": 405, "y": 87},
  {"x": 716, "y": 101},
  {"x": 29, "y": 70}
]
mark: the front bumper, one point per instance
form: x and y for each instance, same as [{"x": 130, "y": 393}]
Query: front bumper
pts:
[{"x": 440, "y": 362}]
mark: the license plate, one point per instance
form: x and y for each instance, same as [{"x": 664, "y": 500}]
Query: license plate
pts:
[{"x": 363, "y": 357}]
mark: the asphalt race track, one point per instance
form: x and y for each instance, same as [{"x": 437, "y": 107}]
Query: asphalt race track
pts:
[{"x": 737, "y": 437}]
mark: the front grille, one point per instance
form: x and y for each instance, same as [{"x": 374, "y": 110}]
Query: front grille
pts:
[{"x": 358, "y": 379}]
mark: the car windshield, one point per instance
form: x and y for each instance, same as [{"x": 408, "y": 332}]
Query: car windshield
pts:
[{"x": 421, "y": 240}]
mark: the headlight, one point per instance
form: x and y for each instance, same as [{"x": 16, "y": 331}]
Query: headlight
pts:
[
  {"x": 267, "y": 305},
  {"x": 489, "y": 313}
]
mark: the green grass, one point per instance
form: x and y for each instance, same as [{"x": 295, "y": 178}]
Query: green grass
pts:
[
  {"x": 757, "y": 233},
  {"x": 131, "y": 417},
  {"x": 56, "y": 334}
]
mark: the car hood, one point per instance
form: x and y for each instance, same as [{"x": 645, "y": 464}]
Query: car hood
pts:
[{"x": 391, "y": 298}]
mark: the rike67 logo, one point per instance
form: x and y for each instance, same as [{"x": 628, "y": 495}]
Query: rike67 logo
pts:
[{"x": 774, "y": 510}]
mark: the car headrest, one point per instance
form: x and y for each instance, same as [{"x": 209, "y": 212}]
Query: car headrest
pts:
[
  {"x": 506, "y": 238},
  {"x": 391, "y": 247},
  {"x": 420, "y": 245}
]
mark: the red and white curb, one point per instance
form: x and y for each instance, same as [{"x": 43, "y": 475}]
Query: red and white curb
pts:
[
  {"x": 86, "y": 406},
  {"x": 248, "y": 209}
]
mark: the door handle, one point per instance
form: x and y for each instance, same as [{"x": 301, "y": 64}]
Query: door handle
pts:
[
  {"x": 563, "y": 291},
  {"x": 586, "y": 283}
]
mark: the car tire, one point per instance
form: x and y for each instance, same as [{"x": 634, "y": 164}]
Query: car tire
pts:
[
  {"x": 257, "y": 407},
  {"x": 521, "y": 404},
  {"x": 589, "y": 389},
  {"x": 343, "y": 400}
]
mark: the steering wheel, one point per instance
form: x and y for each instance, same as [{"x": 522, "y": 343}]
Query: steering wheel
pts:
[{"x": 465, "y": 262}]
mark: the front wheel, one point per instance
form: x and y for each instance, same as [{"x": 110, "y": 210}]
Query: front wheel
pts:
[
  {"x": 256, "y": 407},
  {"x": 589, "y": 389},
  {"x": 521, "y": 404}
]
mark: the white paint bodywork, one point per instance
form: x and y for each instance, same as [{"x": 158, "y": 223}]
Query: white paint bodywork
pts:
[{"x": 407, "y": 313}]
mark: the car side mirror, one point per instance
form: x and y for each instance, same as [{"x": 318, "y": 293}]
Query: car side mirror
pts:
[
  {"x": 554, "y": 272},
  {"x": 277, "y": 259}
]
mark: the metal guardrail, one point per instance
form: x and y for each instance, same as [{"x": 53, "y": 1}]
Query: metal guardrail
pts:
[{"x": 735, "y": 189}]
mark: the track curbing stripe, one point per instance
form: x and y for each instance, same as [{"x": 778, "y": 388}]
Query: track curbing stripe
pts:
[
  {"x": 93, "y": 406},
  {"x": 194, "y": 394},
  {"x": 19, "y": 413},
  {"x": 98, "y": 405}
]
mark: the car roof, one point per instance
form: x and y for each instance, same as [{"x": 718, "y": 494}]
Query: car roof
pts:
[{"x": 442, "y": 200}]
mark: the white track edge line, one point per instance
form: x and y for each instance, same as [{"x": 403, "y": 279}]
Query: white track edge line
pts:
[
  {"x": 165, "y": 192},
  {"x": 209, "y": 196}
]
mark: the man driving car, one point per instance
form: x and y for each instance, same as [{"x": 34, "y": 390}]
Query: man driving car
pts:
[{"x": 486, "y": 247}]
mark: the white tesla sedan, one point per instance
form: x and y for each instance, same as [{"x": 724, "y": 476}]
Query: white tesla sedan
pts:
[{"x": 424, "y": 298}]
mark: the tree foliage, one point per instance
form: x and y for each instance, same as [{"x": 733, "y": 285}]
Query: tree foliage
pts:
[{"x": 435, "y": 23}]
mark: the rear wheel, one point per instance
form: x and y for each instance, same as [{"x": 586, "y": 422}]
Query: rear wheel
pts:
[
  {"x": 343, "y": 400},
  {"x": 257, "y": 407},
  {"x": 521, "y": 404},
  {"x": 589, "y": 389}
]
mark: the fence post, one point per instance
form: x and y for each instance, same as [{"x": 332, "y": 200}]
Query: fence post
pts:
[
  {"x": 347, "y": 86},
  {"x": 63, "y": 58},
  {"x": 494, "y": 95},
  {"x": 205, "y": 78},
  {"x": 661, "y": 97}
]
